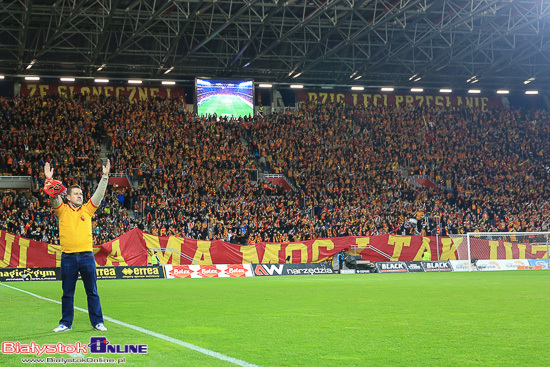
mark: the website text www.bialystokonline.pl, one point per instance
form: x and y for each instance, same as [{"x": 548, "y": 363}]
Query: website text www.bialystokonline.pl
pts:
[{"x": 74, "y": 360}]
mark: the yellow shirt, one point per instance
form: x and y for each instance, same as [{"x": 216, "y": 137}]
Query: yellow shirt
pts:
[{"x": 75, "y": 227}]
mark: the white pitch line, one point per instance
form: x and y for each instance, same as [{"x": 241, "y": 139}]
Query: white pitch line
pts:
[{"x": 167, "y": 338}]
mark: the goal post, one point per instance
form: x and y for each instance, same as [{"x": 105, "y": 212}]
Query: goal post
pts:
[{"x": 482, "y": 248}]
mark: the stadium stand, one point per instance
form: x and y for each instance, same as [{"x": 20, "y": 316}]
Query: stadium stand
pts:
[{"x": 351, "y": 167}]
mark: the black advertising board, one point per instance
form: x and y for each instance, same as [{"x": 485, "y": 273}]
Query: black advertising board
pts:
[
  {"x": 414, "y": 266},
  {"x": 29, "y": 274},
  {"x": 103, "y": 272},
  {"x": 292, "y": 269},
  {"x": 308, "y": 269},
  {"x": 431, "y": 266},
  {"x": 130, "y": 272},
  {"x": 141, "y": 272},
  {"x": 391, "y": 267}
]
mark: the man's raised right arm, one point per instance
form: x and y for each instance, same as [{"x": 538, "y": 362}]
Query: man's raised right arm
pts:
[{"x": 56, "y": 201}]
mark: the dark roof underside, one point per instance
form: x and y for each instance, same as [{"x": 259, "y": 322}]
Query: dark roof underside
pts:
[{"x": 369, "y": 42}]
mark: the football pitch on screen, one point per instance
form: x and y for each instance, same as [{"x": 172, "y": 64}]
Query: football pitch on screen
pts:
[
  {"x": 224, "y": 105},
  {"x": 424, "y": 319}
]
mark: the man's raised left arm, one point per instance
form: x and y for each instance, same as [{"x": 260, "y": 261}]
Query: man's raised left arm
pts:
[{"x": 102, "y": 186}]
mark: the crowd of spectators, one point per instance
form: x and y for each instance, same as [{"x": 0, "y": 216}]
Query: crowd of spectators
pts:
[
  {"x": 492, "y": 167},
  {"x": 353, "y": 168}
]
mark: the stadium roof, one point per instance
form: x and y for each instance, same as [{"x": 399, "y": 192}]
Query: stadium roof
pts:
[{"x": 428, "y": 43}]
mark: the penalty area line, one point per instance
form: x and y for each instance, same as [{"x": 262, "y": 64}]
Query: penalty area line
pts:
[{"x": 167, "y": 338}]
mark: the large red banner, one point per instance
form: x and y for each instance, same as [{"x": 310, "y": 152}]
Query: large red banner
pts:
[
  {"x": 133, "y": 93},
  {"x": 400, "y": 100},
  {"x": 132, "y": 249}
]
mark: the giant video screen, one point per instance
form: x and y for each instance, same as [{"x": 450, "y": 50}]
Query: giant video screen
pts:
[{"x": 224, "y": 97}]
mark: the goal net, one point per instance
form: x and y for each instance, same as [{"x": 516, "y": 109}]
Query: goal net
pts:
[{"x": 503, "y": 250}]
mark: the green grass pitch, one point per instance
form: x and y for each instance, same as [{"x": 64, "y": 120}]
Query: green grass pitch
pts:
[
  {"x": 229, "y": 106},
  {"x": 423, "y": 319}
]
